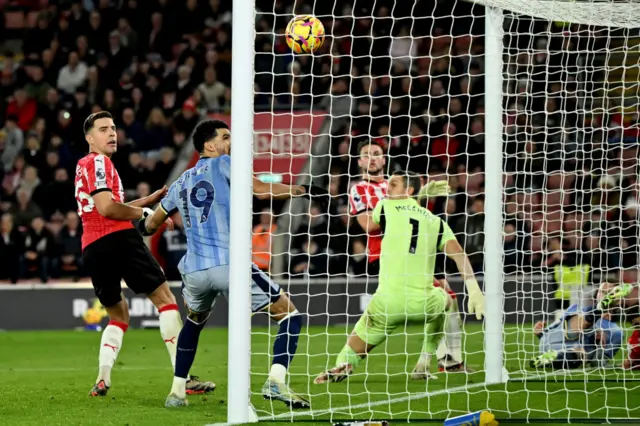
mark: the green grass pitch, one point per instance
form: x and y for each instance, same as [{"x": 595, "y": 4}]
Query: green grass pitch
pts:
[{"x": 45, "y": 378}]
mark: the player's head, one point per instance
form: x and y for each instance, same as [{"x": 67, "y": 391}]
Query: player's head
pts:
[
  {"x": 403, "y": 185},
  {"x": 100, "y": 133},
  {"x": 212, "y": 138},
  {"x": 371, "y": 159}
]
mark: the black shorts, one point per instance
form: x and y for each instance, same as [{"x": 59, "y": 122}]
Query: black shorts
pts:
[{"x": 117, "y": 256}]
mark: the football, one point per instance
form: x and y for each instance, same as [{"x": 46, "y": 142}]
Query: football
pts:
[{"x": 304, "y": 34}]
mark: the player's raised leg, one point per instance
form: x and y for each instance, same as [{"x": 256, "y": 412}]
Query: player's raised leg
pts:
[
  {"x": 110, "y": 345},
  {"x": 267, "y": 294}
]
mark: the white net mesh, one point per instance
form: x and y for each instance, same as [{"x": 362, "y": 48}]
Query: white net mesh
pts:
[{"x": 409, "y": 76}]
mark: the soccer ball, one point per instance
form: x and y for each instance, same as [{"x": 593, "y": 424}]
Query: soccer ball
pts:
[{"x": 305, "y": 34}]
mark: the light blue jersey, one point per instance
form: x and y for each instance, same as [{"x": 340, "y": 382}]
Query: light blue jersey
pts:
[{"x": 201, "y": 195}]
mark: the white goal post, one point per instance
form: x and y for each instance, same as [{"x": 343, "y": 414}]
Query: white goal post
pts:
[{"x": 546, "y": 91}]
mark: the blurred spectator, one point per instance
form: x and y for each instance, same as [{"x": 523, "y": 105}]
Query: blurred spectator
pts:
[
  {"x": 158, "y": 132},
  {"x": 72, "y": 75},
  {"x": 12, "y": 142},
  {"x": 311, "y": 261},
  {"x": 23, "y": 109},
  {"x": 133, "y": 129},
  {"x": 40, "y": 250},
  {"x": 70, "y": 244},
  {"x": 11, "y": 249},
  {"x": 37, "y": 88},
  {"x": 471, "y": 234},
  {"x": 30, "y": 181},
  {"x": 212, "y": 90},
  {"x": 185, "y": 121},
  {"x": 25, "y": 209},
  {"x": 58, "y": 194},
  {"x": 261, "y": 239},
  {"x": 358, "y": 259}
]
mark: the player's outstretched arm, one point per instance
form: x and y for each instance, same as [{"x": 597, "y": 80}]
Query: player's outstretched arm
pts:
[
  {"x": 150, "y": 199},
  {"x": 454, "y": 251},
  {"x": 279, "y": 191},
  {"x": 114, "y": 210}
]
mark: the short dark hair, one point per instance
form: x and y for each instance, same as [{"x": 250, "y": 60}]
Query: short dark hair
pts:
[
  {"x": 410, "y": 180},
  {"x": 205, "y": 131},
  {"x": 91, "y": 120},
  {"x": 368, "y": 142}
]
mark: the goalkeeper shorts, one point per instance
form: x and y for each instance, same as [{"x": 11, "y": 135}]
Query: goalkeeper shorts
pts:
[{"x": 385, "y": 313}]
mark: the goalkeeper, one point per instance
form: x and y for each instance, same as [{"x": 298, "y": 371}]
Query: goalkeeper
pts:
[{"x": 412, "y": 236}]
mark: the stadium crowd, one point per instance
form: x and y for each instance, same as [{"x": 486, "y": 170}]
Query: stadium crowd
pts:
[{"x": 410, "y": 78}]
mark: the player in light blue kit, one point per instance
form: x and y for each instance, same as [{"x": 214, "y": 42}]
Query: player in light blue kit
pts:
[
  {"x": 579, "y": 337},
  {"x": 201, "y": 196}
]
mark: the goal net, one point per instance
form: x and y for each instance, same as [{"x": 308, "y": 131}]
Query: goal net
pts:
[{"x": 529, "y": 109}]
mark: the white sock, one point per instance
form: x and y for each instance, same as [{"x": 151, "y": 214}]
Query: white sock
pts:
[
  {"x": 110, "y": 345},
  {"x": 452, "y": 343},
  {"x": 179, "y": 387},
  {"x": 170, "y": 326},
  {"x": 278, "y": 373}
]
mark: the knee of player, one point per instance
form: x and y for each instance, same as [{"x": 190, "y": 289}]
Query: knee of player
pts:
[
  {"x": 293, "y": 318},
  {"x": 282, "y": 307},
  {"x": 198, "y": 318}
]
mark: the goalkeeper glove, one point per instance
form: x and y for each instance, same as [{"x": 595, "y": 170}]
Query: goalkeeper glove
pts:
[
  {"x": 438, "y": 188},
  {"x": 318, "y": 195},
  {"x": 142, "y": 227},
  {"x": 476, "y": 298}
]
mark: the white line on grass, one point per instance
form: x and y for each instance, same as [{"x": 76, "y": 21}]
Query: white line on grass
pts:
[
  {"x": 422, "y": 395},
  {"x": 67, "y": 369}
]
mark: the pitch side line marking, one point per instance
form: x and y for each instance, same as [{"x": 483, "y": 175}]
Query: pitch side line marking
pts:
[{"x": 5, "y": 370}]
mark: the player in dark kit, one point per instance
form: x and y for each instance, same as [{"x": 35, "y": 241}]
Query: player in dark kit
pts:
[{"x": 113, "y": 250}]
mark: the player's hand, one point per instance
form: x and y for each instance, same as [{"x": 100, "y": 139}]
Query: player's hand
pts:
[
  {"x": 158, "y": 195},
  {"x": 476, "y": 298},
  {"x": 438, "y": 188},
  {"x": 318, "y": 195}
]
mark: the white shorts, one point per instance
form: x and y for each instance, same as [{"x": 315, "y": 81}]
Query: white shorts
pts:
[{"x": 200, "y": 289}]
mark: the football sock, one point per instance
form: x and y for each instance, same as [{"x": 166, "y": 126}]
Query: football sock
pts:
[
  {"x": 187, "y": 346},
  {"x": 110, "y": 345},
  {"x": 452, "y": 343},
  {"x": 348, "y": 356},
  {"x": 170, "y": 325},
  {"x": 285, "y": 345}
]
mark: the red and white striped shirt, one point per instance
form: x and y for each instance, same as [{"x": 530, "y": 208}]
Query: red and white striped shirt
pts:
[
  {"x": 96, "y": 173},
  {"x": 363, "y": 197}
]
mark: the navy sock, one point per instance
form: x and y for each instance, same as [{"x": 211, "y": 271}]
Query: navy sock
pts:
[
  {"x": 187, "y": 346},
  {"x": 286, "y": 344}
]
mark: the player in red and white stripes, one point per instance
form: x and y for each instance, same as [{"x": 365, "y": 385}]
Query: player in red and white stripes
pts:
[
  {"x": 363, "y": 197},
  {"x": 113, "y": 250}
]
